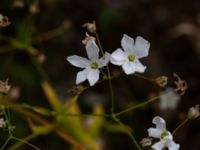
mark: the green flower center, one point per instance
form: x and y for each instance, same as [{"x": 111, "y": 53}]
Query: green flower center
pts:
[
  {"x": 164, "y": 134},
  {"x": 94, "y": 65},
  {"x": 131, "y": 57}
]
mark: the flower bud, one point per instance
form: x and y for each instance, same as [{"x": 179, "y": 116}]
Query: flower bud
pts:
[
  {"x": 146, "y": 142},
  {"x": 4, "y": 21},
  {"x": 91, "y": 27},
  {"x": 162, "y": 81},
  {"x": 4, "y": 87},
  {"x": 193, "y": 112}
]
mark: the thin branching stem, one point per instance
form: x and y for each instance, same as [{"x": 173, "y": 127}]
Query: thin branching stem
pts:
[
  {"x": 144, "y": 77},
  {"x": 6, "y": 142},
  {"x": 129, "y": 133},
  {"x": 23, "y": 141},
  {"x": 180, "y": 125},
  {"x": 137, "y": 106},
  {"x": 109, "y": 74}
]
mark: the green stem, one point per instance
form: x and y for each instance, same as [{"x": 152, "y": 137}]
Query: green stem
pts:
[
  {"x": 99, "y": 43},
  {"x": 19, "y": 144},
  {"x": 22, "y": 141},
  {"x": 129, "y": 133},
  {"x": 144, "y": 77},
  {"x": 109, "y": 74},
  {"x": 137, "y": 106},
  {"x": 40, "y": 69},
  {"x": 83, "y": 115},
  {"x": 6, "y": 142},
  {"x": 180, "y": 125}
]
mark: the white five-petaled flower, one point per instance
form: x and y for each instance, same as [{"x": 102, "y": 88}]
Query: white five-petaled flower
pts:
[
  {"x": 169, "y": 99},
  {"x": 90, "y": 66},
  {"x": 166, "y": 138},
  {"x": 129, "y": 58}
]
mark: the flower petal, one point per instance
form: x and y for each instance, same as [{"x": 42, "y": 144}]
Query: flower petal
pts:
[
  {"x": 172, "y": 145},
  {"x": 92, "y": 50},
  {"x": 139, "y": 67},
  {"x": 158, "y": 146},
  {"x": 141, "y": 47},
  {"x": 129, "y": 68},
  {"x": 127, "y": 44},
  {"x": 93, "y": 76},
  {"x": 160, "y": 123},
  {"x": 78, "y": 61},
  {"x": 104, "y": 60},
  {"x": 81, "y": 76},
  {"x": 118, "y": 57},
  {"x": 154, "y": 132}
]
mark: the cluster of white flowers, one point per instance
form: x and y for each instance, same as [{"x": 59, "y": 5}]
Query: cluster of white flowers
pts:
[
  {"x": 160, "y": 132},
  {"x": 128, "y": 59}
]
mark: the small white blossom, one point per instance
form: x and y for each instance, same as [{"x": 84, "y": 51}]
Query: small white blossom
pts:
[
  {"x": 160, "y": 132},
  {"x": 90, "y": 66},
  {"x": 129, "y": 58},
  {"x": 169, "y": 99}
]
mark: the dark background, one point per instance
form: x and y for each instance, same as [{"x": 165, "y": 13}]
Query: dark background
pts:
[{"x": 172, "y": 28}]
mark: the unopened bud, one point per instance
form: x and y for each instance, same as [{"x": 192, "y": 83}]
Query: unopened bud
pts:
[
  {"x": 4, "y": 87},
  {"x": 162, "y": 81},
  {"x": 146, "y": 142},
  {"x": 4, "y": 21},
  {"x": 91, "y": 27},
  {"x": 193, "y": 112}
]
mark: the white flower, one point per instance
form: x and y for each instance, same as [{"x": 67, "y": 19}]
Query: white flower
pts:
[
  {"x": 166, "y": 138},
  {"x": 129, "y": 58},
  {"x": 169, "y": 99},
  {"x": 90, "y": 66}
]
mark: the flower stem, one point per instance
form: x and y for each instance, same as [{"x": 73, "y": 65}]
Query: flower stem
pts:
[
  {"x": 180, "y": 125},
  {"x": 109, "y": 74},
  {"x": 137, "y": 106},
  {"x": 22, "y": 141},
  {"x": 129, "y": 133},
  {"x": 6, "y": 142},
  {"x": 144, "y": 77},
  {"x": 99, "y": 43}
]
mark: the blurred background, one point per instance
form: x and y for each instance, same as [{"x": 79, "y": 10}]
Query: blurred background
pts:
[{"x": 54, "y": 29}]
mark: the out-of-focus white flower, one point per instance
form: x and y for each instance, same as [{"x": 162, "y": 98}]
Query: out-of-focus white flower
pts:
[
  {"x": 129, "y": 58},
  {"x": 169, "y": 99},
  {"x": 90, "y": 66},
  {"x": 160, "y": 132},
  {"x": 2, "y": 123},
  {"x": 18, "y": 3}
]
